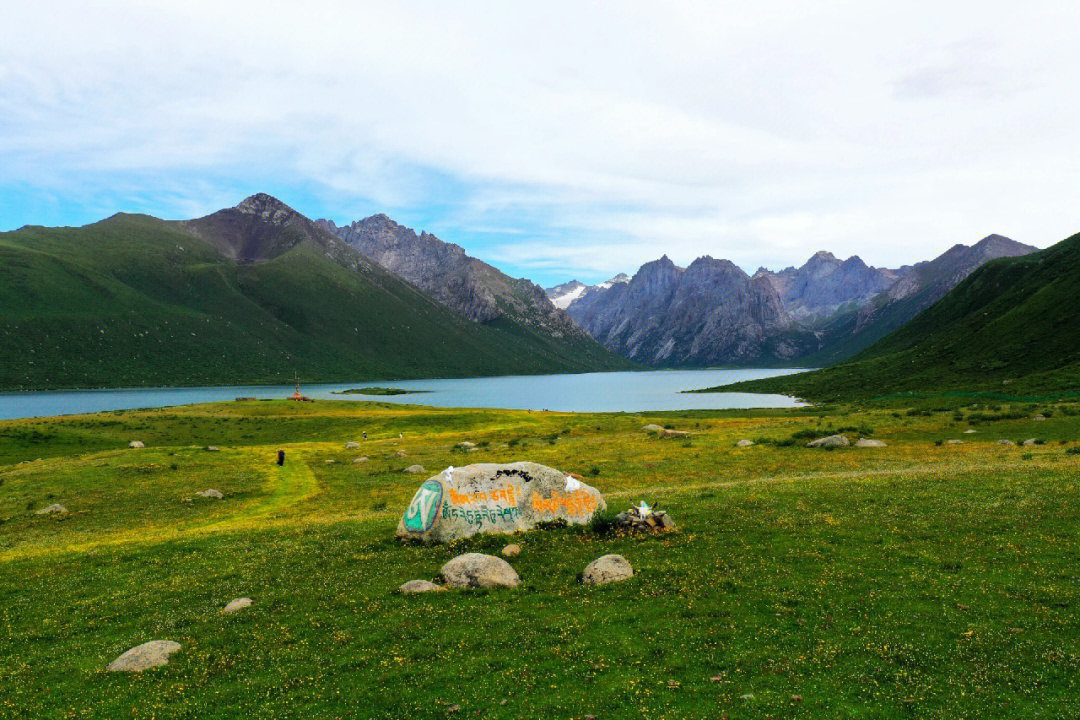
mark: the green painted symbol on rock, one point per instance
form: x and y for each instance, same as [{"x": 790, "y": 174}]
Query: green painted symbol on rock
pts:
[{"x": 424, "y": 508}]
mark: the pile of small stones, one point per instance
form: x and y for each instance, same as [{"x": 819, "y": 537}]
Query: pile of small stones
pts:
[{"x": 649, "y": 521}]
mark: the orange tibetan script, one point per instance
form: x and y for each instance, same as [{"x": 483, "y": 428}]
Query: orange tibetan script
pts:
[
  {"x": 578, "y": 502},
  {"x": 506, "y": 494}
]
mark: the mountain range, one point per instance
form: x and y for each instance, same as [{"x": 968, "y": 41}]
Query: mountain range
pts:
[
  {"x": 713, "y": 313},
  {"x": 252, "y": 293},
  {"x": 1007, "y": 329}
]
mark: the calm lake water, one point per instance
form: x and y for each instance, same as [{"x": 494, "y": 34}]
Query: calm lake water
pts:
[{"x": 590, "y": 392}]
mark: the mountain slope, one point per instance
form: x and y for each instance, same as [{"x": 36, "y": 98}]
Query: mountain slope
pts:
[
  {"x": 248, "y": 294},
  {"x": 1010, "y": 328},
  {"x": 465, "y": 284},
  {"x": 709, "y": 313}
]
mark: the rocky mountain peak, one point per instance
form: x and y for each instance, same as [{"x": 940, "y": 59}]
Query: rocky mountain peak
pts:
[{"x": 267, "y": 207}]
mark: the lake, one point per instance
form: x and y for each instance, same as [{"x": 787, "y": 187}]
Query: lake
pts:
[{"x": 588, "y": 392}]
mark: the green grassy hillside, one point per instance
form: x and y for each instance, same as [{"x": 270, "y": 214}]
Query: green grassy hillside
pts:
[
  {"x": 136, "y": 301},
  {"x": 1011, "y": 328},
  {"x": 912, "y": 581}
]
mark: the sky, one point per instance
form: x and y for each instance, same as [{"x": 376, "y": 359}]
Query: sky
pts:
[{"x": 559, "y": 140}]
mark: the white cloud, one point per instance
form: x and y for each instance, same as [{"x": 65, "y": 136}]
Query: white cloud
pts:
[{"x": 607, "y": 133}]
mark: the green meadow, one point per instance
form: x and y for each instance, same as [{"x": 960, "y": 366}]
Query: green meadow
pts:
[{"x": 920, "y": 580}]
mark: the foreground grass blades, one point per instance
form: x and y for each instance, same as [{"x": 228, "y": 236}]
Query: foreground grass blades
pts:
[{"x": 915, "y": 580}]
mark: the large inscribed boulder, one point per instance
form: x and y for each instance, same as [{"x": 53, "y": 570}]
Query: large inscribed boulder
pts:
[{"x": 496, "y": 498}]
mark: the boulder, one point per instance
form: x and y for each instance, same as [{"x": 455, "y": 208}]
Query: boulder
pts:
[
  {"x": 607, "y": 569},
  {"x": 136, "y": 444},
  {"x": 479, "y": 570},
  {"x": 1031, "y": 441},
  {"x": 954, "y": 442},
  {"x": 830, "y": 441},
  {"x": 142, "y": 657},
  {"x": 419, "y": 586},
  {"x": 351, "y": 445},
  {"x": 237, "y": 604},
  {"x": 496, "y": 498},
  {"x": 211, "y": 493},
  {"x": 212, "y": 448},
  {"x": 1003, "y": 441},
  {"x": 869, "y": 442},
  {"x": 465, "y": 445},
  {"x": 415, "y": 469},
  {"x": 511, "y": 551},
  {"x": 1040, "y": 418},
  {"x": 399, "y": 453},
  {"x": 652, "y": 428},
  {"x": 55, "y": 508},
  {"x": 744, "y": 443},
  {"x": 361, "y": 459}
]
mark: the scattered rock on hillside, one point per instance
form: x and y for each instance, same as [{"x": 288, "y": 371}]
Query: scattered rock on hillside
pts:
[
  {"x": 1003, "y": 441},
  {"x": 607, "y": 569},
  {"x": 511, "y": 551},
  {"x": 465, "y": 445},
  {"x": 361, "y": 459},
  {"x": 1039, "y": 417},
  {"x": 419, "y": 586},
  {"x": 869, "y": 442},
  {"x": 211, "y": 493},
  {"x": 652, "y": 428},
  {"x": 399, "y": 453},
  {"x": 415, "y": 469},
  {"x": 674, "y": 433},
  {"x": 1031, "y": 441},
  {"x": 329, "y": 461},
  {"x": 142, "y": 657},
  {"x": 212, "y": 448},
  {"x": 496, "y": 498},
  {"x": 479, "y": 570},
  {"x": 830, "y": 441},
  {"x": 136, "y": 444},
  {"x": 237, "y": 604},
  {"x": 352, "y": 445},
  {"x": 954, "y": 442},
  {"x": 744, "y": 443},
  {"x": 55, "y": 508}
]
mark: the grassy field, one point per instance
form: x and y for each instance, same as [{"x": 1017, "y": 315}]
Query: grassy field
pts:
[{"x": 918, "y": 580}]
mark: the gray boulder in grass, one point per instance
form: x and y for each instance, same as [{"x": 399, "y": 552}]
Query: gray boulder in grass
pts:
[
  {"x": 744, "y": 443},
  {"x": 55, "y": 508},
  {"x": 830, "y": 441},
  {"x": 476, "y": 570},
  {"x": 868, "y": 443},
  {"x": 419, "y": 586},
  {"x": 607, "y": 569},
  {"x": 143, "y": 657},
  {"x": 237, "y": 605},
  {"x": 496, "y": 498}
]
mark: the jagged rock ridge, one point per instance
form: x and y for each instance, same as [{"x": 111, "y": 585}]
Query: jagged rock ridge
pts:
[
  {"x": 444, "y": 271},
  {"x": 712, "y": 312},
  {"x": 709, "y": 313}
]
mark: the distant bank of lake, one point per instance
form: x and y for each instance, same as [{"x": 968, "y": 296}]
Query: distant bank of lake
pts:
[{"x": 590, "y": 392}]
